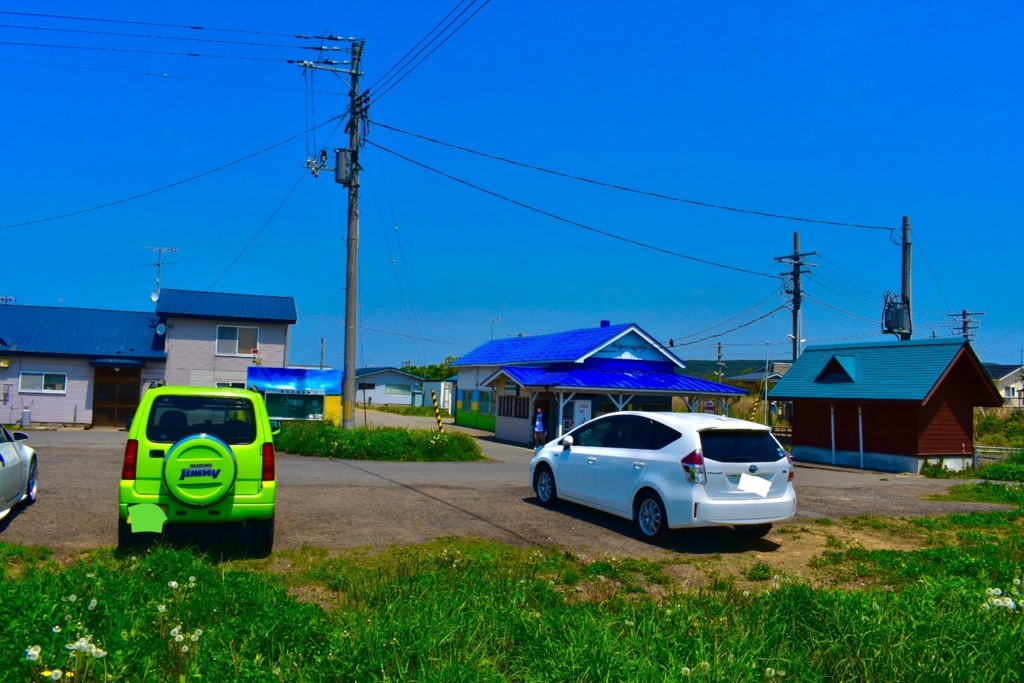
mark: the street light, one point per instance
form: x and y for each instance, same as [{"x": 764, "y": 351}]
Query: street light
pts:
[
  {"x": 799, "y": 347},
  {"x": 493, "y": 320}
]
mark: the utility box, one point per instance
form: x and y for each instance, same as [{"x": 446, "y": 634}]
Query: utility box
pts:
[
  {"x": 26, "y": 418},
  {"x": 343, "y": 166}
]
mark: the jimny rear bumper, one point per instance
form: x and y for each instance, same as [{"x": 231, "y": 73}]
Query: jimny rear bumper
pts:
[
  {"x": 695, "y": 509},
  {"x": 232, "y": 508}
]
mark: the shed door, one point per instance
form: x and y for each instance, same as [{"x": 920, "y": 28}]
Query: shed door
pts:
[{"x": 115, "y": 396}]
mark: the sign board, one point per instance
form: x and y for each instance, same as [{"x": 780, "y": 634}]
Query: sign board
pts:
[
  {"x": 709, "y": 407},
  {"x": 581, "y": 412}
]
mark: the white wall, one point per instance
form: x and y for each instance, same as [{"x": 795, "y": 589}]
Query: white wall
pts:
[
  {"x": 379, "y": 392},
  {"x": 191, "y": 347},
  {"x": 513, "y": 429}
]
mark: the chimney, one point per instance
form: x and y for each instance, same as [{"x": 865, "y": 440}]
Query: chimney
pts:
[{"x": 606, "y": 323}]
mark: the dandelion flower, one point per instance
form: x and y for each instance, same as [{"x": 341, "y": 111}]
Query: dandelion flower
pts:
[
  {"x": 986, "y": 606},
  {"x": 93, "y": 603},
  {"x": 178, "y": 638},
  {"x": 685, "y": 673},
  {"x": 997, "y": 591},
  {"x": 199, "y": 632},
  {"x": 184, "y": 648},
  {"x": 56, "y": 629},
  {"x": 705, "y": 666},
  {"x": 769, "y": 672},
  {"x": 175, "y": 631},
  {"x": 99, "y": 654},
  {"x": 775, "y": 578},
  {"x": 71, "y": 598},
  {"x": 1016, "y": 582},
  {"x": 172, "y": 584},
  {"x": 191, "y": 579},
  {"x": 67, "y": 617},
  {"x": 193, "y": 637},
  {"x": 32, "y": 653},
  {"x": 746, "y": 594},
  {"x": 161, "y": 608},
  {"x": 55, "y": 674}
]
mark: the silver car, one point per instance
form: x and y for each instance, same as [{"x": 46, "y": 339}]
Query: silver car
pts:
[{"x": 18, "y": 482}]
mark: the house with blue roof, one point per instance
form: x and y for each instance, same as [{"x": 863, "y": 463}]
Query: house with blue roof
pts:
[
  {"x": 573, "y": 377},
  {"x": 83, "y": 366},
  {"x": 887, "y": 405}
]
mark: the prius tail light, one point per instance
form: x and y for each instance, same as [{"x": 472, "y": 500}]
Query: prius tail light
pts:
[
  {"x": 131, "y": 459},
  {"x": 792, "y": 466},
  {"x": 269, "y": 473},
  {"x": 693, "y": 467}
]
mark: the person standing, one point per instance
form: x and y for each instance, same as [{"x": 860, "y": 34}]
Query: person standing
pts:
[{"x": 539, "y": 434}]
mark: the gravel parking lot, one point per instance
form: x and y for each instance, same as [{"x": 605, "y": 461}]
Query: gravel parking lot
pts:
[{"x": 340, "y": 504}]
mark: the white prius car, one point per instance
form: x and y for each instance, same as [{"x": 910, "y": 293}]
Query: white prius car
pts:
[
  {"x": 671, "y": 471},
  {"x": 17, "y": 471}
]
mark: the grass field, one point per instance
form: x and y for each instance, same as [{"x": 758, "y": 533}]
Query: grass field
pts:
[
  {"x": 327, "y": 440},
  {"x": 417, "y": 411},
  {"x": 464, "y": 610}
]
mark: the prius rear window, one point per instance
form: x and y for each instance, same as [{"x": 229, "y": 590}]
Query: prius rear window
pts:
[
  {"x": 172, "y": 418},
  {"x": 740, "y": 446}
]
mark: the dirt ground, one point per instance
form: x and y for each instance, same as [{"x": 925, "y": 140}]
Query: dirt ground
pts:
[{"x": 345, "y": 504}]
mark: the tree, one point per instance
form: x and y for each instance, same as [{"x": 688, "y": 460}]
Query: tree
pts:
[{"x": 434, "y": 373}]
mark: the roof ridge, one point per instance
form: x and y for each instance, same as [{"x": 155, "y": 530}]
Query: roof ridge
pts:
[
  {"x": 203, "y": 293},
  {"x": 76, "y": 308}
]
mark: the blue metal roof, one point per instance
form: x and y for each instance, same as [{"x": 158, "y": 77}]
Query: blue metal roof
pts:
[
  {"x": 895, "y": 371},
  {"x": 619, "y": 380},
  {"x": 557, "y": 347},
  {"x": 82, "y": 332},
  {"x": 363, "y": 372},
  {"x": 183, "y": 303}
]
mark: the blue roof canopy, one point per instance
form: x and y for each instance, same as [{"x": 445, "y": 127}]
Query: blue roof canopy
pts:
[
  {"x": 570, "y": 346},
  {"x": 183, "y": 303},
  {"x": 81, "y": 332},
  {"x": 618, "y": 380},
  {"x": 893, "y": 371}
]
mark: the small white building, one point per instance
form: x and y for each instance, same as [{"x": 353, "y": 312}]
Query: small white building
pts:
[
  {"x": 388, "y": 386},
  {"x": 1008, "y": 381}
]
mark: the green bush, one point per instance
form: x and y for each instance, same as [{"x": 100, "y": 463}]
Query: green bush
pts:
[
  {"x": 394, "y": 444},
  {"x": 940, "y": 471},
  {"x": 1004, "y": 471},
  {"x": 415, "y": 411}
]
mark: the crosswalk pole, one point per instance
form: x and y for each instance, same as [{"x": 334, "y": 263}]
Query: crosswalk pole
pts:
[{"x": 437, "y": 412}]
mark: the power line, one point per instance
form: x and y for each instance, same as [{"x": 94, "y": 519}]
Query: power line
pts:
[
  {"x": 97, "y": 48},
  {"x": 415, "y": 66},
  {"x": 741, "y": 314},
  {"x": 166, "y": 75},
  {"x": 567, "y": 220},
  {"x": 428, "y": 34},
  {"x": 836, "y": 308},
  {"x": 165, "y": 187},
  {"x": 738, "y": 327},
  {"x": 396, "y": 334},
  {"x": 153, "y": 23},
  {"x": 932, "y": 272},
  {"x": 151, "y": 36},
  {"x": 656, "y": 195}
]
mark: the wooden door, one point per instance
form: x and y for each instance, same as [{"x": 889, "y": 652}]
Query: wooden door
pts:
[{"x": 115, "y": 396}]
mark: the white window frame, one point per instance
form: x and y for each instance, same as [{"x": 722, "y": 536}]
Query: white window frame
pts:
[
  {"x": 43, "y": 390},
  {"x": 389, "y": 391},
  {"x": 216, "y": 341}
]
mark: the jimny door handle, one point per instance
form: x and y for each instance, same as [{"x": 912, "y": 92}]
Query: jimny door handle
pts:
[
  {"x": 591, "y": 460},
  {"x": 639, "y": 464}
]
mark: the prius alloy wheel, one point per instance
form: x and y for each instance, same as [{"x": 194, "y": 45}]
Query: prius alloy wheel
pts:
[{"x": 651, "y": 518}]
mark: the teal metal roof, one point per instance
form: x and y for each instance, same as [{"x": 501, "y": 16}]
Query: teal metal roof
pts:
[{"x": 880, "y": 371}]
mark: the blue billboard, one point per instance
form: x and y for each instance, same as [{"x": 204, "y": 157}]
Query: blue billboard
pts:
[{"x": 294, "y": 379}]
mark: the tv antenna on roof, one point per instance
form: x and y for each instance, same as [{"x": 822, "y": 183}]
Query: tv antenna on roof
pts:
[{"x": 160, "y": 251}]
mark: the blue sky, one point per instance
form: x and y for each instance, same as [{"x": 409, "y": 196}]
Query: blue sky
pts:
[{"x": 860, "y": 113}]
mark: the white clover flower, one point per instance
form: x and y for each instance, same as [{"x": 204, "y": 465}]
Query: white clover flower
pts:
[
  {"x": 184, "y": 648},
  {"x": 72, "y": 598},
  {"x": 56, "y": 629},
  {"x": 685, "y": 673},
  {"x": 161, "y": 609},
  {"x": 172, "y": 584},
  {"x": 175, "y": 631},
  {"x": 93, "y": 603},
  {"x": 178, "y": 638}
]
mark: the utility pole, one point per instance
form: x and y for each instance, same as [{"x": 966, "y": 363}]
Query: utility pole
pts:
[
  {"x": 346, "y": 172},
  {"x": 721, "y": 363},
  {"x": 798, "y": 260},
  {"x": 321, "y": 353},
  {"x": 907, "y": 258},
  {"x": 968, "y": 325},
  {"x": 160, "y": 251}
]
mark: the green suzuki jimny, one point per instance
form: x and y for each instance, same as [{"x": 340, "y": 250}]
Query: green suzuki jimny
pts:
[{"x": 197, "y": 455}]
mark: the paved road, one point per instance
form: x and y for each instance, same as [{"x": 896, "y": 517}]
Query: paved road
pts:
[{"x": 336, "y": 503}]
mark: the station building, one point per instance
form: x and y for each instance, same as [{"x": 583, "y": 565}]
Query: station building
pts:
[{"x": 573, "y": 377}]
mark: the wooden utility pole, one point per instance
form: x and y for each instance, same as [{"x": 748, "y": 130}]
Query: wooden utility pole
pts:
[{"x": 798, "y": 261}]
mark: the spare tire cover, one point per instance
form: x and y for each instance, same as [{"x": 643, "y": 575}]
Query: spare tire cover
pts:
[{"x": 200, "y": 470}]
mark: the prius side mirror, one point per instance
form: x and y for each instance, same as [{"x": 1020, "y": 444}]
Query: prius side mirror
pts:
[{"x": 567, "y": 443}]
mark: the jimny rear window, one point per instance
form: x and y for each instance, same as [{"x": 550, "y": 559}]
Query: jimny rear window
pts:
[{"x": 172, "y": 418}]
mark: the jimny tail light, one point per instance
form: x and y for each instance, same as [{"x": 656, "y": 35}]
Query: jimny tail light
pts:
[
  {"x": 268, "y": 461},
  {"x": 131, "y": 459},
  {"x": 792, "y": 467},
  {"x": 693, "y": 467}
]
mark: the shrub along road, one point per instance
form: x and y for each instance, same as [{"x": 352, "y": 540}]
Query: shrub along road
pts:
[{"x": 336, "y": 504}]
